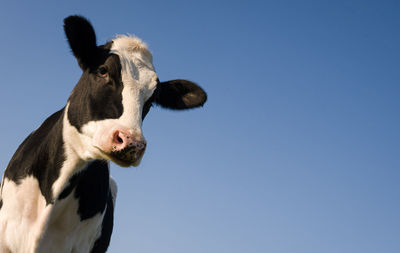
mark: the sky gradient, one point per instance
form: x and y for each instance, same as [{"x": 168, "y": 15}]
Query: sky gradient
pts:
[{"x": 296, "y": 150}]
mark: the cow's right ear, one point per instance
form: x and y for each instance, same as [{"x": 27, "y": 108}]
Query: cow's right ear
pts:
[
  {"x": 82, "y": 40},
  {"x": 180, "y": 95}
]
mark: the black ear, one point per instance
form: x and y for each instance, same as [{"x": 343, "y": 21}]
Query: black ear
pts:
[
  {"x": 82, "y": 40},
  {"x": 180, "y": 95}
]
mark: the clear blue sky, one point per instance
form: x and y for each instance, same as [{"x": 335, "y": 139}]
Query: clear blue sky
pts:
[{"x": 297, "y": 149}]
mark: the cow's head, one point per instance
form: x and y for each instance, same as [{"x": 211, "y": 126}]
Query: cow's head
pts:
[{"x": 117, "y": 89}]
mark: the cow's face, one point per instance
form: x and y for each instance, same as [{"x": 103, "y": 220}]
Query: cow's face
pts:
[{"x": 116, "y": 91}]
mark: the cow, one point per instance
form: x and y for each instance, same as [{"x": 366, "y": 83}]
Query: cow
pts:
[{"x": 56, "y": 194}]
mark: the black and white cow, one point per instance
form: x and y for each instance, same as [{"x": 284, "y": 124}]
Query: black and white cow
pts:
[{"x": 57, "y": 194}]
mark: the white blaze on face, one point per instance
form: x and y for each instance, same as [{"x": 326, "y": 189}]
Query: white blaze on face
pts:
[{"x": 138, "y": 77}]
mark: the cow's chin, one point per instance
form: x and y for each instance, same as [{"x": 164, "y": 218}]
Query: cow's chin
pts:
[
  {"x": 126, "y": 163},
  {"x": 124, "y": 159}
]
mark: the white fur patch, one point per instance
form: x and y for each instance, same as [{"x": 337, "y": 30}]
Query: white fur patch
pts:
[
  {"x": 130, "y": 43},
  {"x": 22, "y": 222}
]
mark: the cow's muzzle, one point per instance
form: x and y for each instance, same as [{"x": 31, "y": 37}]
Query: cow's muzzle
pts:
[{"x": 127, "y": 148}]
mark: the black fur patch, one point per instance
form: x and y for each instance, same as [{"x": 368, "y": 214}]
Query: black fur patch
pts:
[
  {"x": 40, "y": 155},
  {"x": 102, "y": 243},
  {"x": 95, "y": 97},
  {"x": 1, "y": 203},
  {"x": 91, "y": 189}
]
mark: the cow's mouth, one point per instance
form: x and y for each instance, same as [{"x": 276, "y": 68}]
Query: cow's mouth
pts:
[{"x": 129, "y": 156}]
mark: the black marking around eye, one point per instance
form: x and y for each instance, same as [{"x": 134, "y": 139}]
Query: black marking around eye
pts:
[{"x": 92, "y": 100}]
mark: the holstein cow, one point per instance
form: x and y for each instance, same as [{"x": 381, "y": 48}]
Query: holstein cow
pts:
[{"x": 56, "y": 192}]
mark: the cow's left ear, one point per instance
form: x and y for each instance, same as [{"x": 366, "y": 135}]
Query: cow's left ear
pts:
[
  {"x": 82, "y": 40},
  {"x": 180, "y": 95}
]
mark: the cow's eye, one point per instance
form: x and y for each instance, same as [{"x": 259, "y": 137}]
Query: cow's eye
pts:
[{"x": 102, "y": 71}]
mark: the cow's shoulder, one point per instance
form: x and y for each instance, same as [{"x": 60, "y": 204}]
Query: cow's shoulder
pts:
[{"x": 40, "y": 155}]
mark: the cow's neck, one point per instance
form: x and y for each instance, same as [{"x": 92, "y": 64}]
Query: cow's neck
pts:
[
  {"x": 73, "y": 149},
  {"x": 47, "y": 156}
]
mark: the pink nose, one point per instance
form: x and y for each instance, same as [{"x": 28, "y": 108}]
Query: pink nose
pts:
[{"x": 123, "y": 139}]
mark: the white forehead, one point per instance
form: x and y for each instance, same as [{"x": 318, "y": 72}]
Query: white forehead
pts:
[
  {"x": 131, "y": 45},
  {"x": 136, "y": 62},
  {"x": 138, "y": 77}
]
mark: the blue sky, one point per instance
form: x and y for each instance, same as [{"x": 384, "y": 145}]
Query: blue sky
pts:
[{"x": 297, "y": 149}]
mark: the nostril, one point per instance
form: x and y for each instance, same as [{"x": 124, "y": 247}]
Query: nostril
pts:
[
  {"x": 117, "y": 138},
  {"x": 126, "y": 140}
]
